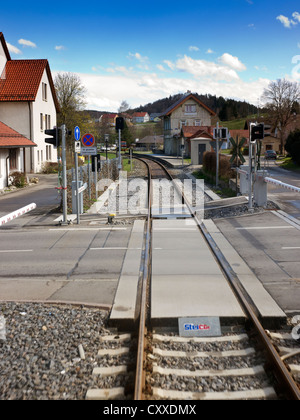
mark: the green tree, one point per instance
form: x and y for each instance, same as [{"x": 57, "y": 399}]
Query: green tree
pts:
[
  {"x": 71, "y": 97},
  {"x": 292, "y": 146},
  {"x": 236, "y": 153}
]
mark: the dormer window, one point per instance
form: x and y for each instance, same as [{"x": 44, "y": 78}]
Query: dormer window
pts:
[
  {"x": 190, "y": 109},
  {"x": 44, "y": 91}
]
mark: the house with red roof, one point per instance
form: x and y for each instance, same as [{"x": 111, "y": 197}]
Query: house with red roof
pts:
[
  {"x": 28, "y": 105},
  {"x": 188, "y": 112},
  {"x": 140, "y": 117},
  {"x": 12, "y": 152}
]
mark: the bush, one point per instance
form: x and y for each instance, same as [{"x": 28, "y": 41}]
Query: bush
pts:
[
  {"x": 18, "y": 179},
  {"x": 292, "y": 146},
  {"x": 209, "y": 165},
  {"x": 50, "y": 168}
]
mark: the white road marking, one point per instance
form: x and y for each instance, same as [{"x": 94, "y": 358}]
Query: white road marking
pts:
[{"x": 264, "y": 227}]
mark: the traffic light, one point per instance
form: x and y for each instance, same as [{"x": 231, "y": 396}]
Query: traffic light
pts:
[
  {"x": 119, "y": 123},
  {"x": 54, "y": 137},
  {"x": 257, "y": 132}
]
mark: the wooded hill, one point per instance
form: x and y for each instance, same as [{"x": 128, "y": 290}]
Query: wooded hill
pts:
[{"x": 226, "y": 109}]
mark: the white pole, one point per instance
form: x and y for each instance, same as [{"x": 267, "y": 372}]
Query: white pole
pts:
[
  {"x": 217, "y": 155},
  {"x": 17, "y": 213}
]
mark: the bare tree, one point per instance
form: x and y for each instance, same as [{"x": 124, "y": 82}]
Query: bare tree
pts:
[
  {"x": 70, "y": 93},
  {"x": 281, "y": 97},
  {"x": 123, "y": 107}
]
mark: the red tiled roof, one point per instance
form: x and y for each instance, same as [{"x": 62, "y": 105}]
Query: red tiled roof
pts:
[
  {"x": 195, "y": 131},
  {"x": 183, "y": 99},
  {"x": 11, "y": 138},
  {"x": 21, "y": 80},
  {"x": 140, "y": 114}
]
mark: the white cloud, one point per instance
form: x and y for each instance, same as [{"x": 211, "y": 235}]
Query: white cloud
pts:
[
  {"x": 169, "y": 64},
  {"x": 13, "y": 49},
  {"x": 59, "y": 47},
  {"x": 138, "y": 56},
  {"x": 289, "y": 23},
  {"x": 160, "y": 67},
  {"x": 233, "y": 62},
  {"x": 193, "y": 48},
  {"x": 27, "y": 43},
  {"x": 209, "y": 51},
  {"x": 105, "y": 92},
  {"x": 202, "y": 68},
  {"x": 296, "y": 16}
]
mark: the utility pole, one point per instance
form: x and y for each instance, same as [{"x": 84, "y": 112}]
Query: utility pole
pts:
[{"x": 64, "y": 173}]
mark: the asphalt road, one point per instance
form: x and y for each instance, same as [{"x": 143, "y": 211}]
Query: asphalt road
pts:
[
  {"x": 270, "y": 245},
  {"x": 43, "y": 194},
  {"x": 56, "y": 263},
  {"x": 287, "y": 200}
]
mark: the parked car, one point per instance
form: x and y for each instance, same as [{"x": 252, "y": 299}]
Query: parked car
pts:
[{"x": 270, "y": 154}]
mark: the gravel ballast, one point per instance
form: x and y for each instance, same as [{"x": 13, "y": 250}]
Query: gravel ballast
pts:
[{"x": 41, "y": 357}]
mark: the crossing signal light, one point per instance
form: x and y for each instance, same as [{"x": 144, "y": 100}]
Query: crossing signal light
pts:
[
  {"x": 119, "y": 123},
  {"x": 54, "y": 137},
  {"x": 257, "y": 132}
]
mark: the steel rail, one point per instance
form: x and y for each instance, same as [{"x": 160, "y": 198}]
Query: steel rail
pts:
[
  {"x": 245, "y": 300},
  {"x": 247, "y": 304},
  {"x": 139, "y": 378}
]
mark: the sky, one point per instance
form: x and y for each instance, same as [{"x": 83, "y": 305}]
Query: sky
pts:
[{"x": 144, "y": 51}]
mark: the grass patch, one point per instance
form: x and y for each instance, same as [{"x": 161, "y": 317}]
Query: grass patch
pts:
[{"x": 287, "y": 163}]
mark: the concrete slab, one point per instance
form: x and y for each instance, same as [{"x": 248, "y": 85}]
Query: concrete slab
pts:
[
  {"x": 264, "y": 302},
  {"x": 186, "y": 279},
  {"x": 124, "y": 306}
]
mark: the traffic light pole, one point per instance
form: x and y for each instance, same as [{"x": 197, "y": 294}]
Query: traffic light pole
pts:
[
  {"x": 217, "y": 155},
  {"x": 120, "y": 157},
  {"x": 64, "y": 173}
]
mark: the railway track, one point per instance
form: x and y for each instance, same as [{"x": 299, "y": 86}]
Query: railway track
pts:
[{"x": 244, "y": 363}]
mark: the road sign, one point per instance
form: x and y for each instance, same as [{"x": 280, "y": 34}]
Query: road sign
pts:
[
  {"x": 77, "y": 147},
  {"x": 88, "y": 140},
  {"x": 77, "y": 133},
  {"x": 88, "y": 151}
]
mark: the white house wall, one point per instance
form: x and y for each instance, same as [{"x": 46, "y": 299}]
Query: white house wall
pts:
[
  {"x": 3, "y": 178},
  {"x": 15, "y": 115},
  {"x": 2, "y": 59},
  {"x": 41, "y": 106}
]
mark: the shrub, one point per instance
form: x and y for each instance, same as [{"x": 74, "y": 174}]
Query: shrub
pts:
[
  {"x": 18, "y": 179},
  {"x": 292, "y": 146},
  {"x": 50, "y": 168},
  {"x": 209, "y": 165}
]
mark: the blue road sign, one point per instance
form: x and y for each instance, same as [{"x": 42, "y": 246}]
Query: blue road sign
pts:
[
  {"x": 77, "y": 133},
  {"x": 88, "y": 140}
]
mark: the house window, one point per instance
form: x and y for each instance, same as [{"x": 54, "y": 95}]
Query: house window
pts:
[
  {"x": 44, "y": 91},
  {"x": 13, "y": 159},
  {"x": 190, "y": 109},
  {"x": 182, "y": 123},
  {"x": 41, "y": 122},
  {"x": 197, "y": 123}
]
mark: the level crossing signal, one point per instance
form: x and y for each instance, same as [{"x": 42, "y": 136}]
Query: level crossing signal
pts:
[
  {"x": 257, "y": 132},
  {"x": 54, "y": 137}
]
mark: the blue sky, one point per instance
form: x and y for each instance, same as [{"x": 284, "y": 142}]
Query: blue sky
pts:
[{"x": 142, "y": 51}]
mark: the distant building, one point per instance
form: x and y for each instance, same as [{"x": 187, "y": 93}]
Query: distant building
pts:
[
  {"x": 140, "y": 117},
  {"x": 108, "y": 119},
  {"x": 150, "y": 143},
  {"x": 155, "y": 117},
  {"x": 188, "y": 111}
]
